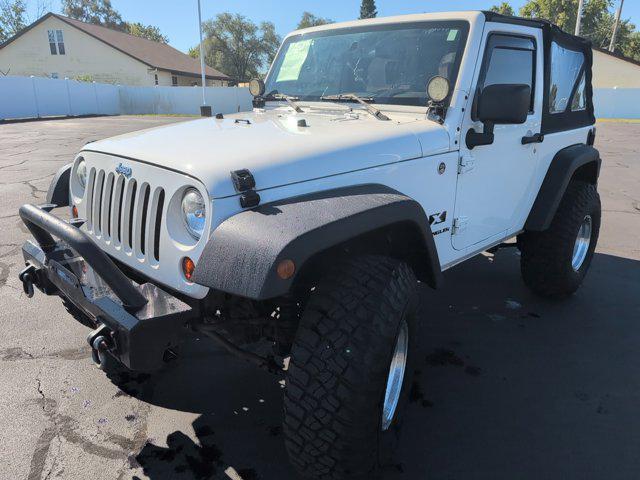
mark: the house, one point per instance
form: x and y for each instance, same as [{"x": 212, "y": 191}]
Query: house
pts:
[
  {"x": 611, "y": 70},
  {"x": 56, "y": 46}
]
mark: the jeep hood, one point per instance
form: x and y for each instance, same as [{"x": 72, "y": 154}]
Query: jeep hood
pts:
[{"x": 275, "y": 148}]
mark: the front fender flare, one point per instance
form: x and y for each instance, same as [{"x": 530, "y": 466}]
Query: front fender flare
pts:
[
  {"x": 243, "y": 252},
  {"x": 58, "y": 192}
]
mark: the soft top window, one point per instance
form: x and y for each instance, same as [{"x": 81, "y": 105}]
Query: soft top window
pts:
[{"x": 567, "y": 67}]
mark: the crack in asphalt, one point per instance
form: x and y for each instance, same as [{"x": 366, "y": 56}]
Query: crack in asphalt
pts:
[
  {"x": 63, "y": 426},
  {"x": 4, "y": 273},
  {"x": 29, "y": 181}
]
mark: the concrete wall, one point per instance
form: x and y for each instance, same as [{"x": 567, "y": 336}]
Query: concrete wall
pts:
[
  {"x": 610, "y": 72},
  {"x": 34, "y": 97}
]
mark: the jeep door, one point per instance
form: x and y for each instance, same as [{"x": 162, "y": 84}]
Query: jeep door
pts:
[{"x": 496, "y": 181}]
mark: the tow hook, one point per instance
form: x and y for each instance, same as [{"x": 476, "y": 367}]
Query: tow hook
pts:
[
  {"x": 100, "y": 342},
  {"x": 28, "y": 278}
]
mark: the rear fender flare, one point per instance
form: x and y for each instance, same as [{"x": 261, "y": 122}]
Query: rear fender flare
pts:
[{"x": 577, "y": 161}]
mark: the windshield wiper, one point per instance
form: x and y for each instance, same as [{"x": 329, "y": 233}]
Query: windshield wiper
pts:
[
  {"x": 364, "y": 101},
  {"x": 281, "y": 96}
]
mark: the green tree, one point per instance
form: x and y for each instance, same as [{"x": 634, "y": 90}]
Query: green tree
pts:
[
  {"x": 597, "y": 22},
  {"x": 12, "y": 18},
  {"x": 310, "y": 20},
  {"x": 238, "y": 47},
  {"x": 503, "y": 9},
  {"x": 368, "y": 9},
  {"x": 146, "y": 31},
  {"x": 631, "y": 48},
  {"x": 99, "y": 12}
]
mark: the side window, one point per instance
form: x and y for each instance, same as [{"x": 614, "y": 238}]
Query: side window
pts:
[
  {"x": 567, "y": 79},
  {"x": 578, "y": 103},
  {"x": 509, "y": 59}
]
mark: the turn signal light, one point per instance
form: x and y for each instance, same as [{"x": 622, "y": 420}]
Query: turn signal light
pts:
[
  {"x": 188, "y": 267},
  {"x": 286, "y": 268},
  {"x": 74, "y": 211}
]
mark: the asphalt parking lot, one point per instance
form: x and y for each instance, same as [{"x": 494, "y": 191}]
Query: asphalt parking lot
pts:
[{"x": 510, "y": 386}]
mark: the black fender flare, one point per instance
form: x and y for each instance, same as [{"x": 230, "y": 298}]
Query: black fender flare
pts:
[
  {"x": 243, "y": 252},
  {"x": 58, "y": 192},
  {"x": 579, "y": 160}
]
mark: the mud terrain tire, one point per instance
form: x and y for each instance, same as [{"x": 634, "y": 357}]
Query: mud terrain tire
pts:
[
  {"x": 340, "y": 361},
  {"x": 546, "y": 260}
]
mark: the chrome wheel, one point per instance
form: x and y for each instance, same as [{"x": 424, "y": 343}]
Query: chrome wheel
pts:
[
  {"x": 581, "y": 247},
  {"x": 396, "y": 376}
]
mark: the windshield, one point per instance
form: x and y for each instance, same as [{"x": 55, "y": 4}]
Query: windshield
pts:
[{"x": 388, "y": 64}]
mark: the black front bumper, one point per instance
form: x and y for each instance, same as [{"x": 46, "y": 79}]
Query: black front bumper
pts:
[{"x": 137, "y": 323}]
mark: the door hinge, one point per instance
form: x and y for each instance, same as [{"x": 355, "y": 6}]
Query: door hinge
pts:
[
  {"x": 466, "y": 163},
  {"x": 459, "y": 224}
]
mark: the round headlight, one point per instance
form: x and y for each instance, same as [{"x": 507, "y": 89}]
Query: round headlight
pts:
[
  {"x": 81, "y": 173},
  {"x": 194, "y": 212}
]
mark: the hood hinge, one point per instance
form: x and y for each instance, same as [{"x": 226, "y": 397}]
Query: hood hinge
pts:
[{"x": 245, "y": 184}]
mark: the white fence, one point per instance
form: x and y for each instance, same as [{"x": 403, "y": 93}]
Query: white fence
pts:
[
  {"x": 34, "y": 97},
  {"x": 617, "y": 102}
]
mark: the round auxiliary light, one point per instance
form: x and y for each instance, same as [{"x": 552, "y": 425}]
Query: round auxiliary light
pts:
[
  {"x": 188, "y": 267},
  {"x": 81, "y": 173},
  {"x": 438, "y": 88},
  {"x": 256, "y": 87},
  {"x": 194, "y": 212}
]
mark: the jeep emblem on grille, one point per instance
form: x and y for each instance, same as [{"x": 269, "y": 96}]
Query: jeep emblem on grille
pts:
[{"x": 124, "y": 170}]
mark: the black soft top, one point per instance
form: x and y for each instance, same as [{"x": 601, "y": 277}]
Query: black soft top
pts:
[{"x": 567, "y": 120}]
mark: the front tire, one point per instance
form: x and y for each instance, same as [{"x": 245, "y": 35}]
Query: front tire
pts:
[
  {"x": 350, "y": 370},
  {"x": 554, "y": 262}
]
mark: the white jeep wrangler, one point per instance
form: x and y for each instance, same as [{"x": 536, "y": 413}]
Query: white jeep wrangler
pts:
[{"x": 378, "y": 154}]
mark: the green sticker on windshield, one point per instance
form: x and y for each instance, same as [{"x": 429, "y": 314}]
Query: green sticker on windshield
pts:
[
  {"x": 453, "y": 33},
  {"x": 293, "y": 61}
]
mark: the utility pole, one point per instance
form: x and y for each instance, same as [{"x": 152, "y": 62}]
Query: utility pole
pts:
[
  {"x": 612, "y": 45},
  {"x": 205, "y": 110},
  {"x": 579, "y": 17}
]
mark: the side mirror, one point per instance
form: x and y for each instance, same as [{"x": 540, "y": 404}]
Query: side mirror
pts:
[
  {"x": 504, "y": 104},
  {"x": 496, "y": 105}
]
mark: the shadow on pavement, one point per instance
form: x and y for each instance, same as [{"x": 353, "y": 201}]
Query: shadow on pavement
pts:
[{"x": 510, "y": 386}]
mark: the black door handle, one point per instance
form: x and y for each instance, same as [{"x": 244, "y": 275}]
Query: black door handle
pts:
[{"x": 535, "y": 138}]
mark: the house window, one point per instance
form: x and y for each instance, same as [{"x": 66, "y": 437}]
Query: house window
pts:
[
  {"x": 56, "y": 42},
  {"x": 52, "y": 42},
  {"x": 174, "y": 80},
  {"x": 156, "y": 78},
  {"x": 60, "y": 41}
]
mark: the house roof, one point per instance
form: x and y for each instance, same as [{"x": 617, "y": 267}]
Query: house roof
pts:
[
  {"x": 154, "y": 54},
  {"x": 617, "y": 55}
]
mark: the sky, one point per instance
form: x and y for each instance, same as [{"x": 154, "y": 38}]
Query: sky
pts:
[{"x": 179, "y": 19}]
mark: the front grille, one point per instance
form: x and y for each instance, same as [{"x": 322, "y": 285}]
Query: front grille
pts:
[{"x": 124, "y": 213}]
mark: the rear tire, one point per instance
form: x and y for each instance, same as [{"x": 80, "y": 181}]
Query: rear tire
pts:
[
  {"x": 355, "y": 323},
  {"x": 554, "y": 262}
]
